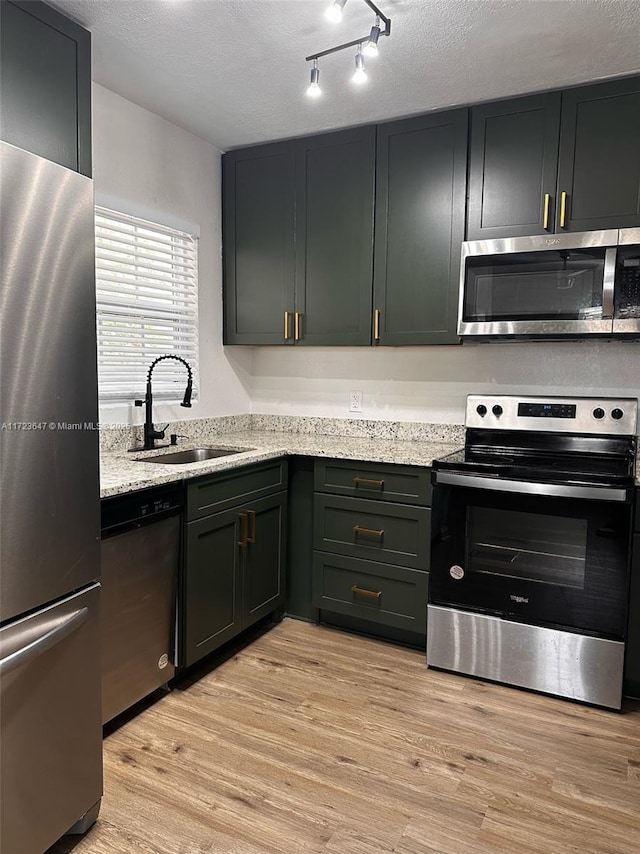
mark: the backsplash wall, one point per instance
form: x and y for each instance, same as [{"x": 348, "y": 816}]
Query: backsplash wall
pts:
[{"x": 431, "y": 383}]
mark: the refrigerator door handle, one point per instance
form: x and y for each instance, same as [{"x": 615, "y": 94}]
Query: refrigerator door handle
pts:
[{"x": 49, "y": 639}]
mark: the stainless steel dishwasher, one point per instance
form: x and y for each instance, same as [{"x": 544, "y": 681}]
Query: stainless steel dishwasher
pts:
[{"x": 140, "y": 560}]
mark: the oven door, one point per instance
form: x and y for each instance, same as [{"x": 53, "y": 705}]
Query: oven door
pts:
[
  {"x": 538, "y": 286},
  {"x": 560, "y": 558}
]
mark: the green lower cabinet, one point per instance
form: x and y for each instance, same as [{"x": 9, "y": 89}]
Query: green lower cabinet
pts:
[
  {"x": 632, "y": 657},
  {"x": 212, "y": 602},
  {"x": 233, "y": 573},
  {"x": 378, "y": 593},
  {"x": 373, "y": 530}
]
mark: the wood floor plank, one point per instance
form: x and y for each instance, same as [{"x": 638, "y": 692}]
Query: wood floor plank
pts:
[{"x": 315, "y": 741}]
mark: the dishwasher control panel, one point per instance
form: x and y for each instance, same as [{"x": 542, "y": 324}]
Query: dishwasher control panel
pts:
[{"x": 139, "y": 506}]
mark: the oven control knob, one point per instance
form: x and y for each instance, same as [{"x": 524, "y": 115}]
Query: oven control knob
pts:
[
  {"x": 598, "y": 412},
  {"x": 617, "y": 414},
  {"x": 481, "y": 409},
  {"x": 497, "y": 410}
]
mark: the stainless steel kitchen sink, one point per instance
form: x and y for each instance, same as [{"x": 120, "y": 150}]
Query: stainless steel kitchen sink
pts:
[{"x": 192, "y": 455}]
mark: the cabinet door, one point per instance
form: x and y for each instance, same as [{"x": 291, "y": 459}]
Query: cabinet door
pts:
[
  {"x": 212, "y": 600},
  {"x": 263, "y": 558},
  {"x": 599, "y": 166},
  {"x": 512, "y": 167},
  {"x": 334, "y": 236},
  {"x": 420, "y": 199},
  {"x": 258, "y": 190},
  {"x": 632, "y": 654},
  {"x": 45, "y": 84}
]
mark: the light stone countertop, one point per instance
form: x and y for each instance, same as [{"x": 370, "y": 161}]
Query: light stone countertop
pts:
[{"x": 122, "y": 472}]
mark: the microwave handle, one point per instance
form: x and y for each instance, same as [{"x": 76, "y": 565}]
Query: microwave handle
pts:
[
  {"x": 559, "y": 490},
  {"x": 608, "y": 283}
]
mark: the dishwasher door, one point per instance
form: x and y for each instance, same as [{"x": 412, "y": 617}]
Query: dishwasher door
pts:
[{"x": 139, "y": 582}]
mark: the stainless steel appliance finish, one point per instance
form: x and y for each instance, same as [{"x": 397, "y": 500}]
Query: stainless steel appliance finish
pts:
[
  {"x": 512, "y": 416},
  {"x": 563, "y": 663},
  {"x": 51, "y": 762},
  {"x": 629, "y": 237},
  {"x": 51, "y": 758},
  {"x": 598, "y": 320},
  {"x": 531, "y": 525},
  {"x": 140, "y": 560}
]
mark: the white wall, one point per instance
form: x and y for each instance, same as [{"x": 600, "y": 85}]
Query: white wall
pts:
[
  {"x": 160, "y": 171},
  {"x": 431, "y": 383}
]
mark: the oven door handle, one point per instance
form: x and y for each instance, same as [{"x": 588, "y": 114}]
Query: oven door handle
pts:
[{"x": 560, "y": 490}]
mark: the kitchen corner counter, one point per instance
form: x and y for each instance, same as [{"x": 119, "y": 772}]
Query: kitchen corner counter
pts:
[{"x": 122, "y": 471}]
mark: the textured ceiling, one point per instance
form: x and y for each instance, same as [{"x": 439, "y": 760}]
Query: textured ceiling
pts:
[{"x": 233, "y": 71}]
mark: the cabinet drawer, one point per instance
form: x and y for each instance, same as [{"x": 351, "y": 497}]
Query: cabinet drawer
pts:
[
  {"x": 374, "y": 530},
  {"x": 377, "y": 592},
  {"x": 235, "y": 486},
  {"x": 376, "y": 481}
]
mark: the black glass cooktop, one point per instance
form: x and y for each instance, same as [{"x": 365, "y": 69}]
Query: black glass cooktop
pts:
[{"x": 545, "y": 458}]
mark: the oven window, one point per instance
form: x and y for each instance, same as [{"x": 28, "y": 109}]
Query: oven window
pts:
[
  {"x": 527, "y": 546},
  {"x": 552, "y": 285}
]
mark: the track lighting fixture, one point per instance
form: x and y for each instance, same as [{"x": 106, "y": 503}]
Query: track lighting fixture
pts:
[
  {"x": 314, "y": 86},
  {"x": 371, "y": 47},
  {"x": 366, "y": 45},
  {"x": 359, "y": 75},
  {"x": 334, "y": 11}
]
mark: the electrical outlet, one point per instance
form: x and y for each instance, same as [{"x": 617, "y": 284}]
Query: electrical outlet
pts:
[{"x": 355, "y": 401}]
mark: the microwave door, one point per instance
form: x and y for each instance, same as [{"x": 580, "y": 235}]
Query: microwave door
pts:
[{"x": 527, "y": 287}]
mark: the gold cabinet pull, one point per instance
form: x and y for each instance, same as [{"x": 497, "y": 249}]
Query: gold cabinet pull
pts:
[
  {"x": 287, "y": 333},
  {"x": 545, "y": 215},
  {"x": 296, "y": 325},
  {"x": 244, "y": 529},
  {"x": 563, "y": 209},
  {"x": 367, "y": 481},
  {"x": 251, "y": 536},
  {"x": 364, "y": 592},
  {"x": 369, "y": 532},
  {"x": 376, "y": 325}
]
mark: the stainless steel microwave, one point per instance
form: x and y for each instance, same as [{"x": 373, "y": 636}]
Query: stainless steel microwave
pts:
[{"x": 551, "y": 286}]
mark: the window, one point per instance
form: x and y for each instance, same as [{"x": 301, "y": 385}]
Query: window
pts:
[{"x": 147, "y": 306}]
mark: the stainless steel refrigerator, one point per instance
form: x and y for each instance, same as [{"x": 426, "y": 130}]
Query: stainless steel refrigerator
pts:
[{"x": 50, "y": 715}]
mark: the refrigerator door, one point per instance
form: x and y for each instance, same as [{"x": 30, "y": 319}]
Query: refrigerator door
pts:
[
  {"x": 51, "y": 759},
  {"x": 49, "y": 476}
]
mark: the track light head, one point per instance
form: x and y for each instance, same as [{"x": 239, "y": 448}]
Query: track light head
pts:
[
  {"x": 314, "y": 89},
  {"x": 334, "y": 11},
  {"x": 359, "y": 75},
  {"x": 371, "y": 47}
]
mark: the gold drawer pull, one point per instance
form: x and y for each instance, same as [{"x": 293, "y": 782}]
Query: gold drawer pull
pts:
[
  {"x": 370, "y": 532},
  {"x": 376, "y": 325},
  {"x": 363, "y": 592},
  {"x": 297, "y": 319},
  {"x": 287, "y": 333},
  {"x": 244, "y": 529},
  {"x": 251, "y": 538},
  {"x": 368, "y": 482}
]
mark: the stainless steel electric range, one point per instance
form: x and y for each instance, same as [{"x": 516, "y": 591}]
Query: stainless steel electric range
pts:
[{"x": 530, "y": 551}]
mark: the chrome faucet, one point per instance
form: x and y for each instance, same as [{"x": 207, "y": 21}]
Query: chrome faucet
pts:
[{"x": 150, "y": 433}]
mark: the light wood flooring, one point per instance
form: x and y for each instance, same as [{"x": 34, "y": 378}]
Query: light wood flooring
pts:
[{"x": 315, "y": 740}]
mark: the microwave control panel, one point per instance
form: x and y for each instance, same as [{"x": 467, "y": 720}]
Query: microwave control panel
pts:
[{"x": 627, "y": 291}]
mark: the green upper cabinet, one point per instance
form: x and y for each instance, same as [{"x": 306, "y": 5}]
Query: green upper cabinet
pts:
[
  {"x": 558, "y": 162},
  {"x": 420, "y": 204},
  {"x": 513, "y": 158},
  {"x": 45, "y": 84},
  {"x": 258, "y": 244},
  {"x": 335, "y": 176},
  {"x": 599, "y": 167}
]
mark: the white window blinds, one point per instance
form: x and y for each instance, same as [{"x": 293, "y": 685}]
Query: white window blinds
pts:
[{"x": 147, "y": 306}]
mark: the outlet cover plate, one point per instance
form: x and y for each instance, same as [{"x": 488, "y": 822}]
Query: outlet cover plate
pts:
[{"x": 355, "y": 401}]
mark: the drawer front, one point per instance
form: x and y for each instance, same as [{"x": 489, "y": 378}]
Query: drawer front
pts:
[
  {"x": 377, "y": 592},
  {"x": 373, "y": 530},
  {"x": 233, "y": 487},
  {"x": 376, "y": 481}
]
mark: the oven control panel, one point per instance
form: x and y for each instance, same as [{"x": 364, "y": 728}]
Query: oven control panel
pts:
[{"x": 600, "y": 416}]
